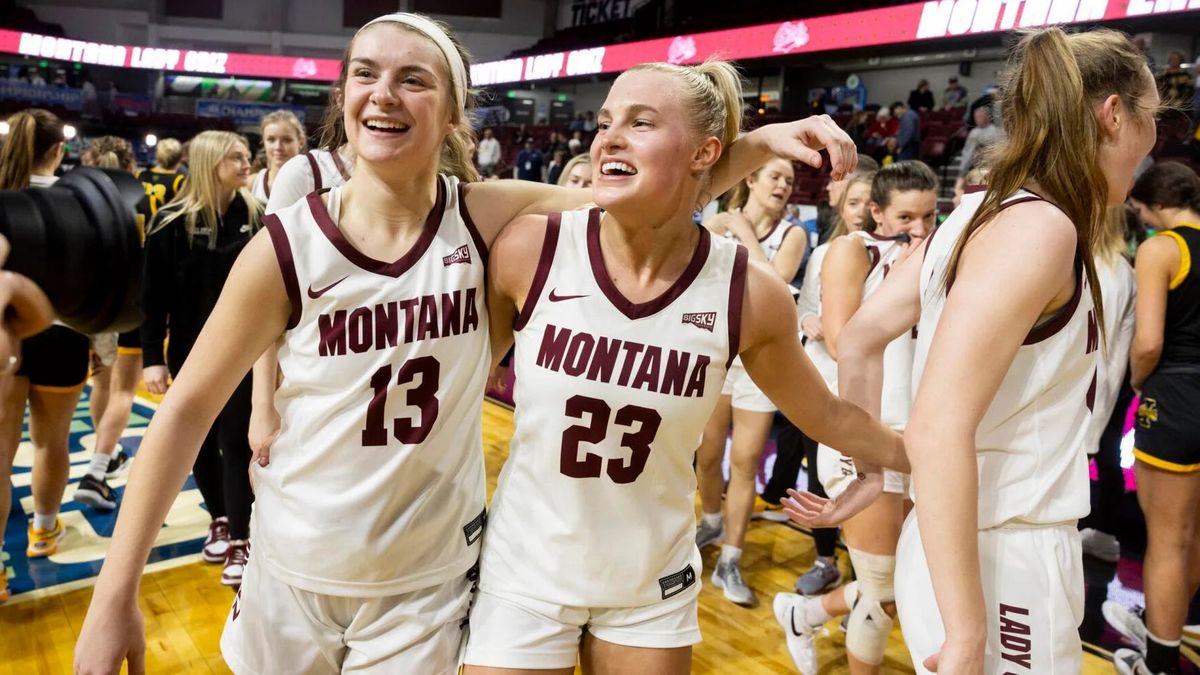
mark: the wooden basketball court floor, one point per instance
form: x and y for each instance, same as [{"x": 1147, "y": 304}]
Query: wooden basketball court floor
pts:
[{"x": 185, "y": 606}]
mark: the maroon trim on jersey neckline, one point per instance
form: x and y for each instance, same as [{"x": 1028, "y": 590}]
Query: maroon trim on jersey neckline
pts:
[
  {"x": 316, "y": 170},
  {"x": 393, "y": 269},
  {"x": 769, "y": 233},
  {"x": 1062, "y": 317},
  {"x": 737, "y": 289},
  {"x": 545, "y": 259},
  {"x": 287, "y": 266},
  {"x": 341, "y": 166},
  {"x": 972, "y": 189},
  {"x": 462, "y": 209},
  {"x": 641, "y": 310}
]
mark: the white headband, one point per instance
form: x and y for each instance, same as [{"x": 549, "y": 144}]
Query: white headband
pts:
[{"x": 458, "y": 70}]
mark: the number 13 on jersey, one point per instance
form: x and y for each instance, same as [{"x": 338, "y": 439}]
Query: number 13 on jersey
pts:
[{"x": 425, "y": 371}]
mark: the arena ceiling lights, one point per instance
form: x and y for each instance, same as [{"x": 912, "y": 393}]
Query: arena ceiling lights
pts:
[{"x": 889, "y": 25}]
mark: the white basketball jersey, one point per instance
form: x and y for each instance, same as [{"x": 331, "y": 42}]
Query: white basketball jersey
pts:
[
  {"x": 260, "y": 188},
  {"x": 312, "y": 170},
  {"x": 883, "y": 254},
  {"x": 595, "y": 505},
  {"x": 1030, "y": 442},
  {"x": 770, "y": 244},
  {"x": 376, "y": 481},
  {"x": 1118, "y": 288}
]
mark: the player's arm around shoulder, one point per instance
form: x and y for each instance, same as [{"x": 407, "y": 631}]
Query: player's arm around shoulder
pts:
[
  {"x": 773, "y": 357},
  {"x": 513, "y": 264},
  {"x": 493, "y": 205}
]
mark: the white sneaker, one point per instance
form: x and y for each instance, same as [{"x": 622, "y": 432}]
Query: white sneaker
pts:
[
  {"x": 801, "y": 637},
  {"x": 235, "y": 563},
  {"x": 1100, "y": 545},
  {"x": 1129, "y": 623},
  {"x": 1130, "y": 662},
  {"x": 216, "y": 546},
  {"x": 728, "y": 576},
  {"x": 707, "y": 535}
]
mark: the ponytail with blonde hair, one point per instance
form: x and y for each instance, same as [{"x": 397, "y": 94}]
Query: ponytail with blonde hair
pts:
[
  {"x": 32, "y": 134},
  {"x": 1052, "y": 134},
  {"x": 113, "y": 152},
  {"x": 200, "y": 197}
]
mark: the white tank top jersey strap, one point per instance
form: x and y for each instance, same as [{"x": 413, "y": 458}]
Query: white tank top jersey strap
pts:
[
  {"x": 260, "y": 188},
  {"x": 595, "y": 505},
  {"x": 1030, "y": 442},
  {"x": 306, "y": 172},
  {"x": 770, "y": 244},
  {"x": 376, "y": 481}
]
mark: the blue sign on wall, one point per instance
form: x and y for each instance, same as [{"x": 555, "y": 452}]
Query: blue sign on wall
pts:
[
  {"x": 41, "y": 94},
  {"x": 243, "y": 113}
]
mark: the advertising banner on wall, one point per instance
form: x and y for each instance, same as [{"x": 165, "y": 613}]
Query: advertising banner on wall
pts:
[
  {"x": 41, "y": 94},
  {"x": 243, "y": 113}
]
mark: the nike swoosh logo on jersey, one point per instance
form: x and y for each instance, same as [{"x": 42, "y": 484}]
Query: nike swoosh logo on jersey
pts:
[
  {"x": 316, "y": 294},
  {"x": 559, "y": 298}
]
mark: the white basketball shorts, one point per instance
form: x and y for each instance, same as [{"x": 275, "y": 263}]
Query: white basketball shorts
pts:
[
  {"x": 277, "y": 628},
  {"x": 746, "y": 395},
  {"x": 1032, "y": 586},
  {"x": 508, "y": 632}
]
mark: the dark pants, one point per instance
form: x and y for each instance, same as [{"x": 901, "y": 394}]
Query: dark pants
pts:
[
  {"x": 1111, "y": 484},
  {"x": 222, "y": 469},
  {"x": 792, "y": 447}
]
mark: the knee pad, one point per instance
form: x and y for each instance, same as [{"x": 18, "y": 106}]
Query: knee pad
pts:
[
  {"x": 867, "y": 631},
  {"x": 869, "y": 626},
  {"x": 876, "y": 575}
]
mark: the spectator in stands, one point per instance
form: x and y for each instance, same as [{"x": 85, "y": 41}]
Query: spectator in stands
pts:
[
  {"x": 489, "y": 153},
  {"x": 983, "y": 135},
  {"x": 908, "y": 138},
  {"x": 34, "y": 76},
  {"x": 576, "y": 144},
  {"x": 920, "y": 98},
  {"x": 589, "y": 121},
  {"x": 955, "y": 95},
  {"x": 577, "y": 123},
  {"x": 529, "y": 163},
  {"x": 521, "y": 135},
  {"x": 987, "y": 99},
  {"x": 884, "y": 127},
  {"x": 1175, "y": 84},
  {"x": 554, "y": 170},
  {"x": 857, "y": 128},
  {"x": 557, "y": 143}
]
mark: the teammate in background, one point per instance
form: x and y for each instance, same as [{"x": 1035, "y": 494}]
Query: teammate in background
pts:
[
  {"x": 283, "y": 138},
  {"x": 328, "y": 165},
  {"x": 755, "y": 220},
  {"x": 901, "y": 213},
  {"x": 1113, "y": 393},
  {"x": 164, "y": 180},
  {"x": 793, "y": 447},
  {"x": 577, "y": 172},
  {"x": 390, "y": 530},
  {"x": 191, "y": 247},
  {"x": 827, "y": 211},
  {"x": 53, "y": 365},
  {"x": 1006, "y": 366},
  {"x": 114, "y": 383},
  {"x": 628, "y": 317},
  {"x": 1165, "y": 368}
]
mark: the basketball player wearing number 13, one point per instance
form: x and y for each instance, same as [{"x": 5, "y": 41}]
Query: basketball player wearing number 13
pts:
[{"x": 626, "y": 322}]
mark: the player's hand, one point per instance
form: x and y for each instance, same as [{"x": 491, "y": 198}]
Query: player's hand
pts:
[
  {"x": 112, "y": 634},
  {"x": 498, "y": 380},
  {"x": 156, "y": 379},
  {"x": 803, "y": 140},
  {"x": 809, "y": 510},
  {"x": 811, "y": 325},
  {"x": 264, "y": 429},
  {"x": 957, "y": 658}
]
